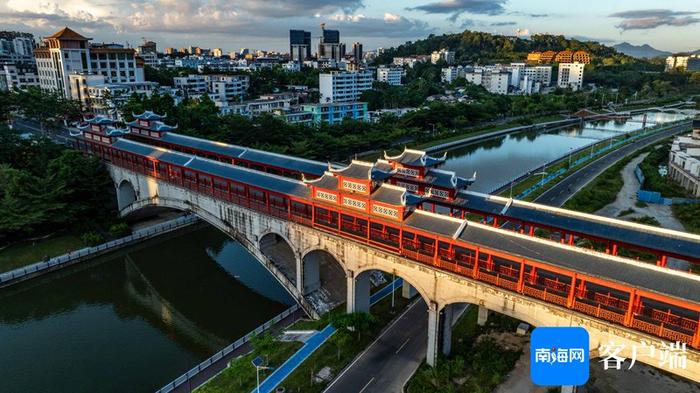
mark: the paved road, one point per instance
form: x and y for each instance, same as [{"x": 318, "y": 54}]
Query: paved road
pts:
[
  {"x": 561, "y": 192},
  {"x": 391, "y": 360}
]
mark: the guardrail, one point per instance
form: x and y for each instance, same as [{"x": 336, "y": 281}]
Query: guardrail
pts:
[
  {"x": 608, "y": 146},
  {"x": 23, "y": 273},
  {"x": 184, "y": 378}
]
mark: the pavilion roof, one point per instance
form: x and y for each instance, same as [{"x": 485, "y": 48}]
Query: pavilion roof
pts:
[
  {"x": 416, "y": 158},
  {"x": 363, "y": 170},
  {"x": 149, "y": 115}
]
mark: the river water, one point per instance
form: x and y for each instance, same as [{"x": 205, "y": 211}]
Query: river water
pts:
[
  {"x": 499, "y": 160},
  {"x": 134, "y": 320}
]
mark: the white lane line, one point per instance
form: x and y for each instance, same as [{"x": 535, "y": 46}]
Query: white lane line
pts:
[
  {"x": 370, "y": 381},
  {"x": 386, "y": 330},
  {"x": 402, "y": 345}
]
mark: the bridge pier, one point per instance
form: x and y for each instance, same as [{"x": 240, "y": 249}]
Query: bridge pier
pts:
[
  {"x": 433, "y": 333},
  {"x": 408, "y": 291},
  {"x": 358, "y": 293},
  {"x": 483, "y": 316},
  {"x": 447, "y": 319}
]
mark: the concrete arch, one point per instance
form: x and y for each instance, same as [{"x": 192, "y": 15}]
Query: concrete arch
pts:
[
  {"x": 414, "y": 284},
  {"x": 324, "y": 278},
  {"x": 126, "y": 194},
  {"x": 234, "y": 233},
  {"x": 280, "y": 251}
]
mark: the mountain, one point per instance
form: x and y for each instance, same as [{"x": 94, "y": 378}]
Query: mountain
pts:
[{"x": 640, "y": 51}]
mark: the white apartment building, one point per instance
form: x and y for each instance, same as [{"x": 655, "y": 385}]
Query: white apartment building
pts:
[
  {"x": 390, "y": 75},
  {"x": 19, "y": 76},
  {"x": 191, "y": 84},
  {"x": 410, "y": 61},
  {"x": 102, "y": 98},
  {"x": 684, "y": 160},
  {"x": 570, "y": 75},
  {"x": 227, "y": 88},
  {"x": 541, "y": 74},
  {"x": 443, "y": 54},
  {"x": 255, "y": 108},
  {"x": 67, "y": 52},
  {"x": 343, "y": 86},
  {"x": 494, "y": 80}
]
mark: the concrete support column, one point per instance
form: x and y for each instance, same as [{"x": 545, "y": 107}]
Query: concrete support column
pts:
[
  {"x": 568, "y": 389},
  {"x": 350, "y": 293},
  {"x": 299, "y": 273},
  {"x": 407, "y": 290},
  {"x": 483, "y": 316},
  {"x": 446, "y": 322},
  {"x": 358, "y": 293},
  {"x": 433, "y": 330}
]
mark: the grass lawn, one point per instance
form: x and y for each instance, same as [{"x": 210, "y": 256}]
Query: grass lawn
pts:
[
  {"x": 337, "y": 353},
  {"x": 28, "y": 252},
  {"x": 473, "y": 366},
  {"x": 241, "y": 377}
]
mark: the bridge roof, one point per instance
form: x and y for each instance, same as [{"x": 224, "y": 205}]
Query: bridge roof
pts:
[
  {"x": 363, "y": 171},
  {"x": 636, "y": 274},
  {"x": 604, "y": 228},
  {"x": 235, "y": 151},
  {"x": 394, "y": 195},
  {"x": 416, "y": 158},
  {"x": 255, "y": 178},
  {"x": 435, "y": 223}
]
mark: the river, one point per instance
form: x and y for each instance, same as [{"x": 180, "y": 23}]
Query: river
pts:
[
  {"x": 134, "y": 320},
  {"x": 497, "y": 161}
]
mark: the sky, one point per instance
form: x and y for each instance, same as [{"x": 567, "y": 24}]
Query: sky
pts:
[{"x": 672, "y": 25}]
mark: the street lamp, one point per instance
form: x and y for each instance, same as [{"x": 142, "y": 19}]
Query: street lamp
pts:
[
  {"x": 571, "y": 150},
  {"x": 258, "y": 363}
]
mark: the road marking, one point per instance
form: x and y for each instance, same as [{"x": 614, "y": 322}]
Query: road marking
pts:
[
  {"x": 386, "y": 330},
  {"x": 402, "y": 345},
  {"x": 363, "y": 389}
]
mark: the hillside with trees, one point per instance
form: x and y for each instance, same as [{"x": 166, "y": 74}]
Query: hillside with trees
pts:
[{"x": 479, "y": 47}]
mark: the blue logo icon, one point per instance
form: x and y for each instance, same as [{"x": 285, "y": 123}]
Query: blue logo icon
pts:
[{"x": 559, "y": 356}]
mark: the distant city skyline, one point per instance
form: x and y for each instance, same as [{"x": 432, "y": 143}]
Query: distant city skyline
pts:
[{"x": 265, "y": 24}]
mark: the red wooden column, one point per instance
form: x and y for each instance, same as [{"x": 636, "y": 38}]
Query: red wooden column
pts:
[
  {"x": 663, "y": 259},
  {"x": 475, "y": 272},
  {"x": 572, "y": 292},
  {"x": 495, "y": 222},
  {"x": 532, "y": 230},
  {"x": 630, "y": 308},
  {"x": 614, "y": 249},
  {"x": 521, "y": 276}
]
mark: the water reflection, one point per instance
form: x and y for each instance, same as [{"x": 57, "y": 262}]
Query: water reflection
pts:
[
  {"x": 498, "y": 160},
  {"x": 133, "y": 321}
]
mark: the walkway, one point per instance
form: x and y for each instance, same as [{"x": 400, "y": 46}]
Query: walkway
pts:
[
  {"x": 627, "y": 198},
  {"x": 312, "y": 344}
]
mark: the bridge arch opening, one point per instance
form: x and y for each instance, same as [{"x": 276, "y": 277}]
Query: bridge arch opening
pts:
[
  {"x": 126, "y": 194},
  {"x": 364, "y": 296},
  {"x": 278, "y": 250},
  {"x": 324, "y": 278}
]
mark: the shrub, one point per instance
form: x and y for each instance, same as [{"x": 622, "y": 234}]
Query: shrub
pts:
[
  {"x": 91, "y": 238},
  {"x": 119, "y": 230}
]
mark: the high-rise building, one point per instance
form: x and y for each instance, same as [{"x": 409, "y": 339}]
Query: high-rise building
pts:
[
  {"x": 570, "y": 75},
  {"x": 18, "y": 76},
  {"x": 330, "y": 47},
  {"x": 217, "y": 52},
  {"x": 357, "y": 51},
  {"x": 170, "y": 51},
  {"x": 67, "y": 52},
  {"x": 299, "y": 45},
  {"x": 343, "y": 86}
]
